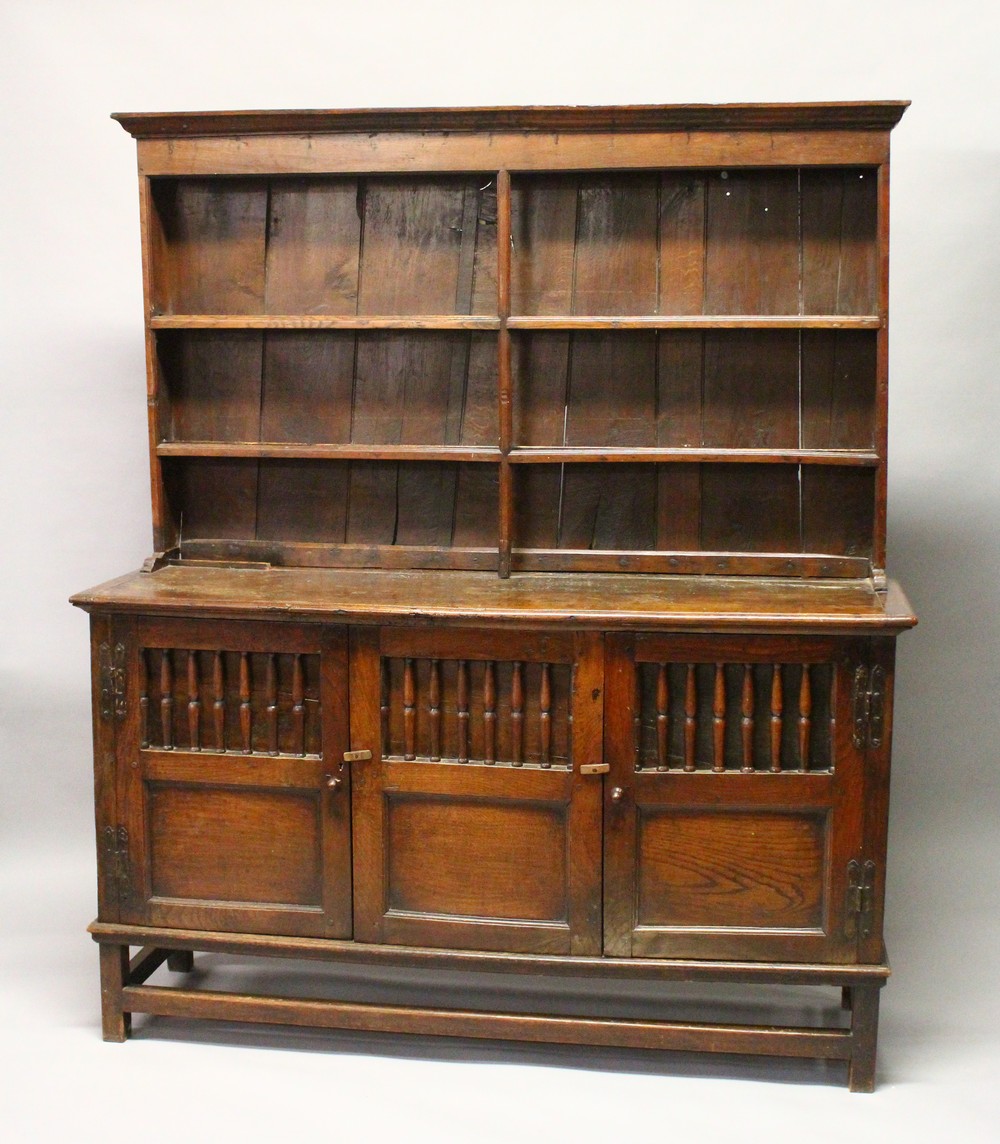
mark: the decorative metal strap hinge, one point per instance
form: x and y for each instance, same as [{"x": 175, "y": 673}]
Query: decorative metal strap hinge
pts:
[
  {"x": 869, "y": 706},
  {"x": 112, "y": 667},
  {"x": 116, "y": 847},
  {"x": 860, "y": 905}
]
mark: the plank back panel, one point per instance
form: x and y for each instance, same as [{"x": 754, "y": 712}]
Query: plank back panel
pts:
[
  {"x": 680, "y": 363},
  {"x": 212, "y": 497},
  {"x": 308, "y": 386},
  {"x": 839, "y": 241},
  {"x": 750, "y": 508},
  {"x": 212, "y": 384},
  {"x": 615, "y": 270},
  {"x": 313, "y": 244},
  {"x": 838, "y": 509},
  {"x": 303, "y": 501},
  {"x": 425, "y": 389},
  {"x": 752, "y": 243},
  {"x": 611, "y": 397},
  {"x": 543, "y": 232},
  {"x": 839, "y": 373},
  {"x": 416, "y": 246},
  {"x": 212, "y": 246},
  {"x": 681, "y": 217},
  {"x": 751, "y": 390}
]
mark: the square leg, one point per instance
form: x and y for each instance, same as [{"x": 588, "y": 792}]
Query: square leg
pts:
[
  {"x": 864, "y": 1037},
  {"x": 115, "y": 1022}
]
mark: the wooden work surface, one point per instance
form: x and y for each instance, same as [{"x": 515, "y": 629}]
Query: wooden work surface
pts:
[{"x": 588, "y": 600}]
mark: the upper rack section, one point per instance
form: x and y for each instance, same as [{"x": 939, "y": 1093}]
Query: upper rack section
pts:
[{"x": 647, "y": 339}]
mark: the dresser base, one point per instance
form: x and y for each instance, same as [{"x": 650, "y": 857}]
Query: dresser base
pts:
[{"x": 124, "y": 991}]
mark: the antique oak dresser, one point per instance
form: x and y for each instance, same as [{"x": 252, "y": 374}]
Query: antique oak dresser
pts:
[{"x": 518, "y": 599}]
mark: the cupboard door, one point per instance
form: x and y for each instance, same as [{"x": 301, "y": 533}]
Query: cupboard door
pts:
[
  {"x": 474, "y": 825},
  {"x": 734, "y": 800},
  {"x": 232, "y": 737}
]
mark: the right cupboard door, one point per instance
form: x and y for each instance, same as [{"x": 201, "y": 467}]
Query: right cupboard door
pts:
[{"x": 734, "y": 802}]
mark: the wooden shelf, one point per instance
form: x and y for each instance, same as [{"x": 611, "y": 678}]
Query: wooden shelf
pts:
[
  {"x": 519, "y": 322},
  {"x": 327, "y": 452},
  {"x": 323, "y": 322},
  {"x": 549, "y": 455},
  {"x": 568, "y": 454},
  {"x": 696, "y": 322}
]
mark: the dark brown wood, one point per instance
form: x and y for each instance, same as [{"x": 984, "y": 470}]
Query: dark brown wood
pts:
[
  {"x": 431, "y": 152},
  {"x": 829, "y": 1044},
  {"x": 677, "y": 117},
  {"x": 690, "y": 716},
  {"x": 116, "y": 1023},
  {"x": 331, "y": 322},
  {"x": 777, "y": 706},
  {"x": 194, "y": 704},
  {"x": 145, "y": 964},
  {"x": 864, "y": 1037},
  {"x": 700, "y": 603},
  {"x": 414, "y": 957},
  {"x": 784, "y": 251},
  {"x": 719, "y": 721},
  {"x": 518, "y": 486},
  {"x": 805, "y": 719},
  {"x": 747, "y": 719},
  {"x": 713, "y": 321},
  {"x": 882, "y": 368},
  {"x": 166, "y": 700}
]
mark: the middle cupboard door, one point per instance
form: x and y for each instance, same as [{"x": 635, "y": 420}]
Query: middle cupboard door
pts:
[{"x": 476, "y": 824}]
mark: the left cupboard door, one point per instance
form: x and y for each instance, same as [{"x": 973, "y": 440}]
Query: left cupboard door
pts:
[{"x": 233, "y": 802}]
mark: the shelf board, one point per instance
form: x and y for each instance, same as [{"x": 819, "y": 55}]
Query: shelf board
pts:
[
  {"x": 569, "y": 454},
  {"x": 327, "y": 452},
  {"x": 552, "y": 455},
  {"x": 323, "y": 322},
  {"x": 518, "y": 322},
  {"x": 696, "y": 322}
]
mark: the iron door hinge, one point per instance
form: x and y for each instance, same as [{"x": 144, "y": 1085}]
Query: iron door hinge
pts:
[
  {"x": 116, "y": 848},
  {"x": 869, "y": 706},
  {"x": 859, "y": 910},
  {"x": 112, "y": 667}
]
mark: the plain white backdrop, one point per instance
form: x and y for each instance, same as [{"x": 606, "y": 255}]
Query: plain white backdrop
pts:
[{"x": 74, "y": 511}]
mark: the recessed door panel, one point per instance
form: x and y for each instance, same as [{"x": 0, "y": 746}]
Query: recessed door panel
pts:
[{"x": 713, "y": 869}]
